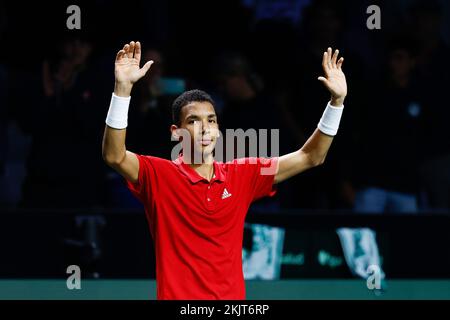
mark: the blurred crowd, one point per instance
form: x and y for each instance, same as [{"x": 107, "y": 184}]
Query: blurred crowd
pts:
[{"x": 260, "y": 61}]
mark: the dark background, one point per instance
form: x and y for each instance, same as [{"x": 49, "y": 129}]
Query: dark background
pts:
[
  {"x": 392, "y": 149},
  {"x": 392, "y": 137}
]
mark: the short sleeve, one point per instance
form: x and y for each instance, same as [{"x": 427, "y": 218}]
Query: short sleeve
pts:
[
  {"x": 264, "y": 178},
  {"x": 259, "y": 175},
  {"x": 142, "y": 189}
]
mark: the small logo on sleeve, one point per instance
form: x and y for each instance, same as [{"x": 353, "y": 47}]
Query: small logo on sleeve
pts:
[{"x": 226, "y": 194}]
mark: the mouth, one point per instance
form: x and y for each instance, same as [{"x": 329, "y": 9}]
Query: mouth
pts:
[{"x": 205, "y": 141}]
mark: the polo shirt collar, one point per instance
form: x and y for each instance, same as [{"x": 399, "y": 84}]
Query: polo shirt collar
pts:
[{"x": 194, "y": 177}]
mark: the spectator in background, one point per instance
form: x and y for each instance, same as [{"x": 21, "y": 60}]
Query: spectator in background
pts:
[
  {"x": 434, "y": 76},
  {"x": 63, "y": 153},
  {"x": 3, "y": 97},
  {"x": 387, "y": 179},
  {"x": 3, "y": 118},
  {"x": 13, "y": 143},
  {"x": 246, "y": 103},
  {"x": 3, "y": 115},
  {"x": 322, "y": 25}
]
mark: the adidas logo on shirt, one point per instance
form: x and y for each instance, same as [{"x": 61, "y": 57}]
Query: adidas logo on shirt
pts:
[{"x": 225, "y": 194}]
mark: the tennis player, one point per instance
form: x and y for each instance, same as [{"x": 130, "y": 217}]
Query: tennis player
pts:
[{"x": 196, "y": 209}]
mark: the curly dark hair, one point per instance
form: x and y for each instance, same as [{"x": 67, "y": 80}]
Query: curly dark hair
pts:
[{"x": 185, "y": 98}]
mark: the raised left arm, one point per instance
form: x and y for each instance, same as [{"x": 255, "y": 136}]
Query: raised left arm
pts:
[{"x": 314, "y": 151}]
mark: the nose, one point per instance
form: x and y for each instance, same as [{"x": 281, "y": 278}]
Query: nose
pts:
[
  {"x": 205, "y": 126},
  {"x": 201, "y": 127}
]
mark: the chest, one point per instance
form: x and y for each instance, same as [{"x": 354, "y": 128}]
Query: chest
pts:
[{"x": 215, "y": 202}]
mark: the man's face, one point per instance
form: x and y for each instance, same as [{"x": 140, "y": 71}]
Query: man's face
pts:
[{"x": 200, "y": 120}]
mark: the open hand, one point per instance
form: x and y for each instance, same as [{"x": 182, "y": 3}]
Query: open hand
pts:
[
  {"x": 127, "y": 71},
  {"x": 334, "y": 78}
]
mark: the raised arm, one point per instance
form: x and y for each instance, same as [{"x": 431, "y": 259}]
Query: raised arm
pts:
[
  {"x": 127, "y": 72},
  {"x": 314, "y": 151}
]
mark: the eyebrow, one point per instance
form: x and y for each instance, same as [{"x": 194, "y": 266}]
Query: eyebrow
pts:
[{"x": 193, "y": 116}]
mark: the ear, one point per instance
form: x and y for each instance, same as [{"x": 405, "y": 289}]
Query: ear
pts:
[{"x": 175, "y": 134}]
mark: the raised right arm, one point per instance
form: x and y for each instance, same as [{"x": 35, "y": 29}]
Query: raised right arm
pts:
[{"x": 127, "y": 72}]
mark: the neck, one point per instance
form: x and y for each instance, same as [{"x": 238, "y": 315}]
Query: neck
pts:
[{"x": 205, "y": 169}]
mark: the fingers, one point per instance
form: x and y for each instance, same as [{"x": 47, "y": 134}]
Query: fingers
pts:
[
  {"x": 126, "y": 49},
  {"x": 120, "y": 55},
  {"x": 334, "y": 59},
  {"x": 130, "y": 53},
  {"x": 329, "y": 57},
  {"x": 137, "y": 51},
  {"x": 145, "y": 68},
  {"x": 130, "y": 50},
  {"x": 325, "y": 62},
  {"x": 324, "y": 59},
  {"x": 339, "y": 63},
  {"x": 330, "y": 60}
]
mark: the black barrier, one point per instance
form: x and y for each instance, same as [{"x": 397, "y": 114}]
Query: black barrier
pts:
[{"x": 117, "y": 244}]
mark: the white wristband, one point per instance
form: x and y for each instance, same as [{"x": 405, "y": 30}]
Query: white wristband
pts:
[
  {"x": 329, "y": 123},
  {"x": 117, "y": 117}
]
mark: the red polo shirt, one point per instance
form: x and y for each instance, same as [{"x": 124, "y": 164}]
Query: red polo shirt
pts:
[{"x": 197, "y": 226}]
